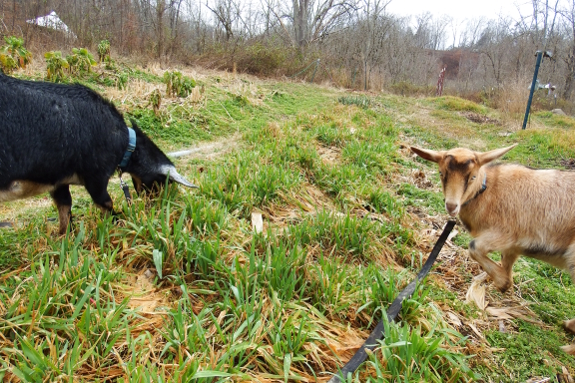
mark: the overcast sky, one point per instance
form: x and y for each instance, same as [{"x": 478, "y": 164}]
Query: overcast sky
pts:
[{"x": 460, "y": 9}]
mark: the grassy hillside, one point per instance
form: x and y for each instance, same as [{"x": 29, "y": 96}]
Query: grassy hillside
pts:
[{"x": 182, "y": 288}]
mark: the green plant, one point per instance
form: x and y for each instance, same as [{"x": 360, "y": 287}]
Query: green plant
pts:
[
  {"x": 80, "y": 61},
  {"x": 459, "y": 104},
  {"x": 55, "y": 65},
  {"x": 262, "y": 59},
  {"x": 411, "y": 355},
  {"x": 110, "y": 64},
  {"x": 178, "y": 85},
  {"x": 360, "y": 101},
  {"x": 104, "y": 51},
  {"x": 7, "y": 62},
  {"x": 13, "y": 55},
  {"x": 122, "y": 80},
  {"x": 155, "y": 100}
]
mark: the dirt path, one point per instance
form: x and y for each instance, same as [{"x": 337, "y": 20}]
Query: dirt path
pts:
[{"x": 209, "y": 150}]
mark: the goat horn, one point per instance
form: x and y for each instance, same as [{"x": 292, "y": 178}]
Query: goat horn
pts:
[{"x": 173, "y": 174}]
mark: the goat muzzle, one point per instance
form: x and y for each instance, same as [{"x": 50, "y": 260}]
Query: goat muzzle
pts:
[{"x": 452, "y": 208}]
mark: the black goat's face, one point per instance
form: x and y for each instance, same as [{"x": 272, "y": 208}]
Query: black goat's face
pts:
[{"x": 149, "y": 183}]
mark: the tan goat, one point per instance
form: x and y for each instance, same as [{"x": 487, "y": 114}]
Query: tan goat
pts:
[{"x": 509, "y": 208}]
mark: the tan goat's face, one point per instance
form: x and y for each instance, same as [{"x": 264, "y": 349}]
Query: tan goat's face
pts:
[{"x": 459, "y": 170}]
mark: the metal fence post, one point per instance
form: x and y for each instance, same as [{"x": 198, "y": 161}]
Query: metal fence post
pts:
[{"x": 539, "y": 56}]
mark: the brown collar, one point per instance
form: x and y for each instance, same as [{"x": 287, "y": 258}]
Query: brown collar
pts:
[{"x": 483, "y": 187}]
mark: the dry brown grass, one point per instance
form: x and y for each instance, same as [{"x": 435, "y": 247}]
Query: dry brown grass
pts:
[{"x": 511, "y": 99}]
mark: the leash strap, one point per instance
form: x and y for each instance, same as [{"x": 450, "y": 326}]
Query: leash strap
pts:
[
  {"x": 129, "y": 150},
  {"x": 125, "y": 189},
  {"x": 393, "y": 310}
]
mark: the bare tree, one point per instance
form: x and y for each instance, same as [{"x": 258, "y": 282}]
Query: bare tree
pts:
[
  {"x": 307, "y": 21},
  {"x": 372, "y": 28},
  {"x": 473, "y": 28},
  {"x": 226, "y": 13},
  {"x": 494, "y": 45},
  {"x": 569, "y": 58}
]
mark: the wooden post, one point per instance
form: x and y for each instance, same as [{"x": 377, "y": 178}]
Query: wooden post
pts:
[{"x": 439, "y": 90}]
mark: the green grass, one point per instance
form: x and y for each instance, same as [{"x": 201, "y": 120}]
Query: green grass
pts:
[
  {"x": 541, "y": 149},
  {"x": 519, "y": 356},
  {"x": 556, "y": 120},
  {"x": 181, "y": 288},
  {"x": 459, "y": 104},
  {"x": 421, "y": 197},
  {"x": 360, "y": 101}
]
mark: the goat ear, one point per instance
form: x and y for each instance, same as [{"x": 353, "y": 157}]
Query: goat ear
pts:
[
  {"x": 429, "y": 155},
  {"x": 487, "y": 157}
]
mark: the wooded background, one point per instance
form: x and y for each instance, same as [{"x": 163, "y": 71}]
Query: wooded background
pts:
[{"x": 359, "y": 43}]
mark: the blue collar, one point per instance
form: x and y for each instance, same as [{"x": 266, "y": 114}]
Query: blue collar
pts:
[{"x": 130, "y": 149}]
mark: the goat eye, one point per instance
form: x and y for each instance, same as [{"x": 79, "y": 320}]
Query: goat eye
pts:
[{"x": 473, "y": 178}]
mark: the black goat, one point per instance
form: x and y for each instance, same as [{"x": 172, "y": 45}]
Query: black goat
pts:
[{"x": 55, "y": 135}]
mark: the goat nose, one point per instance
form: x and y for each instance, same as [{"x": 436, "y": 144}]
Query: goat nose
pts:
[{"x": 451, "y": 207}]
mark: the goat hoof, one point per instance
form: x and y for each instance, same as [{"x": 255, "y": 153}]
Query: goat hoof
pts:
[{"x": 503, "y": 287}]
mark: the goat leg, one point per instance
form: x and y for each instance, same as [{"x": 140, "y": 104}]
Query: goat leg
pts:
[
  {"x": 63, "y": 199},
  {"x": 500, "y": 275}
]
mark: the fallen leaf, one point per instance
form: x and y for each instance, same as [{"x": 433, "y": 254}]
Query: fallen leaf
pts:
[
  {"x": 453, "y": 319},
  {"x": 475, "y": 330},
  {"x": 257, "y": 222},
  {"x": 476, "y": 292}
]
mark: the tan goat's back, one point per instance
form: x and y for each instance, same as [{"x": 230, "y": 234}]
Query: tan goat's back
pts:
[{"x": 532, "y": 210}]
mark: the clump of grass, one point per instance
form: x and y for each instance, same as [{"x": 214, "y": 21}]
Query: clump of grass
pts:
[
  {"x": 248, "y": 181},
  {"x": 556, "y": 120},
  {"x": 179, "y": 130},
  {"x": 146, "y": 76},
  {"x": 369, "y": 155},
  {"x": 384, "y": 202},
  {"x": 178, "y": 85},
  {"x": 332, "y": 135},
  {"x": 359, "y": 101},
  {"x": 414, "y": 355},
  {"x": 459, "y": 105},
  {"x": 421, "y": 197},
  {"x": 406, "y": 88},
  {"x": 345, "y": 235},
  {"x": 540, "y": 148},
  {"x": 511, "y": 98},
  {"x": 519, "y": 346}
]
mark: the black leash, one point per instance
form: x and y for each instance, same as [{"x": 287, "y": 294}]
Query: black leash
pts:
[
  {"x": 393, "y": 310},
  {"x": 125, "y": 188}
]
